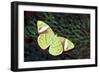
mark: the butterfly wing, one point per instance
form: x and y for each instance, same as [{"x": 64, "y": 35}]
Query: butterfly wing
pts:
[
  {"x": 45, "y": 37},
  {"x": 42, "y": 26},
  {"x": 67, "y": 44},
  {"x": 70, "y": 45},
  {"x": 56, "y": 47}
]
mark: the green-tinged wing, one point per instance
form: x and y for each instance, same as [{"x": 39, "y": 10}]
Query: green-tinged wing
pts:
[
  {"x": 44, "y": 40},
  {"x": 67, "y": 44},
  {"x": 46, "y": 36},
  {"x": 56, "y": 47},
  {"x": 70, "y": 45},
  {"x": 42, "y": 26}
]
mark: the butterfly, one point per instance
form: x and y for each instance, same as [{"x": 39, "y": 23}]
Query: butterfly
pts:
[{"x": 48, "y": 39}]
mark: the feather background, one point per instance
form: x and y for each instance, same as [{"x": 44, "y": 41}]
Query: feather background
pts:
[{"x": 75, "y": 27}]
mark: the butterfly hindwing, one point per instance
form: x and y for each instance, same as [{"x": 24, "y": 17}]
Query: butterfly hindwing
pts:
[{"x": 56, "y": 47}]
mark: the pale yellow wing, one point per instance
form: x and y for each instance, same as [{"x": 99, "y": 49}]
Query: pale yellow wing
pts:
[
  {"x": 45, "y": 35},
  {"x": 56, "y": 47}
]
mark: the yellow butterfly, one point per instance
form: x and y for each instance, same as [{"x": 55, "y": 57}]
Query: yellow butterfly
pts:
[{"x": 47, "y": 38}]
